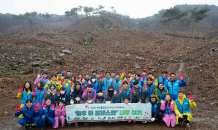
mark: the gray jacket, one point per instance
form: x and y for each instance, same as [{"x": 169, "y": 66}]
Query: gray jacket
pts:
[{"x": 134, "y": 96}]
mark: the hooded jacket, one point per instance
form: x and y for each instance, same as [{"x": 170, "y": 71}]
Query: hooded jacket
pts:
[
  {"x": 180, "y": 102},
  {"x": 48, "y": 112},
  {"x": 29, "y": 115}
]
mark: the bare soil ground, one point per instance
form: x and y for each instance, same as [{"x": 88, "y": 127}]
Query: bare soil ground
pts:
[{"x": 111, "y": 48}]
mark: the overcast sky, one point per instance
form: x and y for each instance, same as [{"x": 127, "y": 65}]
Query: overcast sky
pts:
[{"x": 133, "y": 8}]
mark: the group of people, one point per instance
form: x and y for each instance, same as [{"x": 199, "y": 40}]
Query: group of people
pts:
[{"x": 45, "y": 104}]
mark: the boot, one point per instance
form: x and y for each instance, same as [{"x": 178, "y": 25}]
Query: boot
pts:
[
  {"x": 181, "y": 123},
  {"x": 33, "y": 127},
  {"x": 187, "y": 125}
]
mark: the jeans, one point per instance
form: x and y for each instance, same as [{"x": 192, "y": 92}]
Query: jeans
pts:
[
  {"x": 45, "y": 120},
  {"x": 159, "y": 116},
  {"x": 35, "y": 122}
]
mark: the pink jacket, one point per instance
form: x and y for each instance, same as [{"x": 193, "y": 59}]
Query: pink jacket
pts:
[
  {"x": 89, "y": 94},
  {"x": 38, "y": 79},
  {"x": 59, "y": 113},
  {"x": 162, "y": 107}
]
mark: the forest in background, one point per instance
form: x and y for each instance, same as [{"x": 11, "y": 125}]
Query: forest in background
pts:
[{"x": 206, "y": 28}]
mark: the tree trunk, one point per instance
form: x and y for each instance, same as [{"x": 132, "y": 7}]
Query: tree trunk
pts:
[
  {"x": 189, "y": 28},
  {"x": 171, "y": 25},
  {"x": 195, "y": 29},
  {"x": 47, "y": 22},
  {"x": 70, "y": 20},
  {"x": 77, "y": 17}
]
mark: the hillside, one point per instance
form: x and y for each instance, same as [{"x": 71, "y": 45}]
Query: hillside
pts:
[
  {"x": 207, "y": 28},
  {"x": 114, "y": 47},
  {"x": 35, "y": 29},
  {"x": 94, "y": 23}
]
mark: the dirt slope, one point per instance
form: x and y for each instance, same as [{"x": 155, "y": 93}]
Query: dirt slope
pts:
[{"x": 111, "y": 49}]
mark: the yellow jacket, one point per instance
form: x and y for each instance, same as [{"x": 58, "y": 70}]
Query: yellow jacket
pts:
[
  {"x": 52, "y": 82},
  {"x": 122, "y": 76},
  {"x": 62, "y": 78},
  {"x": 157, "y": 95},
  {"x": 19, "y": 95},
  {"x": 192, "y": 104},
  {"x": 60, "y": 85}
]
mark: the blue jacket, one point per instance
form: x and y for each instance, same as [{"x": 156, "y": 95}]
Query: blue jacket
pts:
[
  {"x": 165, "y": 81},
  {"x": 167, "y": 109},
  {"x": 125, "y": 94},
  {"x": 66, "y": 97},
  {"x": 80, "y": 92},
  {"x": 150, "y": 92},
  {"x": 140, "y": 92},
  {"x": 41, "y": 79},
  {"x": 96, "y": 87},
  {"x": 155, "y": 108},
  {"x": 184, "y": 108},
  {"x": 63, "y": 75},
  {"x": 93, "y": 92},
  {"x": 174, "y": 86},
  {"x": 67, "y": 88},
  {"x": 25, "y": 97},
  {"x": 139, "y": 81},
  {"x": 49, "y": 114},
  {"x": 29, "y": 115},
  {"x": 39, "y": 97},
  {"x": 112, "y": 97},
  {"x": 117, "y": 84},
  {"x": 162, "y": 96},
  {"x": 105, "y": 85},
  {"x": 98, "y": 101}
]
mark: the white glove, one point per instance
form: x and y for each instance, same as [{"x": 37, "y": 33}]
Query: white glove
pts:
[
  {"x": 180, "y": 116},
  {"x": 152, "y": 119}
]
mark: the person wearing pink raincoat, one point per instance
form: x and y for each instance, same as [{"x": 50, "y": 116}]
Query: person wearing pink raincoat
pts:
[
  {"x": 60, "y": 113},
  {"x": 168, "y": 107}
]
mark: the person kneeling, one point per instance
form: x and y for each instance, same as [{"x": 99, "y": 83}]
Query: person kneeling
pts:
[
  {"x": 156, "y": 113},
  {"x": 30, "y": 113},
  {"x": 182, "y": 109},
  {"x": 60, "y": 113},
  {"x": 47, "y": 114},
  {"x": 168, "y": 107}
]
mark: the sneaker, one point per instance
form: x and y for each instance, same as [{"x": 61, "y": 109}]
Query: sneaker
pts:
[
  {"x": 181, "y": 123},
  {"x": 160, "y": 123},
  {"x": 62, "y": 125},
  {"x": 43, "y": 128},
  {"x": 86, "y": 124},
  {"x": 33, "y": 127},
  {"x": 187, "y": 125},
  {"x": 76, "y": 124},
  {"x": 144, "y": 122},
  {"x": 27, "y": 127}
]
